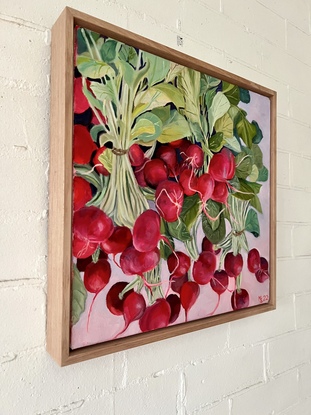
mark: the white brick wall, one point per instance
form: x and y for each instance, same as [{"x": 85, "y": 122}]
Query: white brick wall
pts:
[{"x": 255, "y": 366}]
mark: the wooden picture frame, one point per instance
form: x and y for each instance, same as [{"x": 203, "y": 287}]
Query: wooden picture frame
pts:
[{"x": 60, "y": 267}]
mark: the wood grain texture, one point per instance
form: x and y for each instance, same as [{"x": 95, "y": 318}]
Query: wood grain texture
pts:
[{"x": 60, "y": 208}]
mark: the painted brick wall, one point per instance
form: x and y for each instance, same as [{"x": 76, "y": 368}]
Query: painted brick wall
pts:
[{"x": 257, "y": 366}]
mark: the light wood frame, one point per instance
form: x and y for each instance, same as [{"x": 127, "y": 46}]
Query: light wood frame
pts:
[{"x": 60, "y": 210}]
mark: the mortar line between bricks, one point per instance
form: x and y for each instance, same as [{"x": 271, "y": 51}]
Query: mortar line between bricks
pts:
[
  {"x": 22, "y": 282},
  {"x": 21, "y": 22}
]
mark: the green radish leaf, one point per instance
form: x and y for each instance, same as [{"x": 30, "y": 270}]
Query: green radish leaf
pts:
[
  {"x": 160, "y": 68},
  {"x": 257, "y": 156},
  {"x": 104, "y": 91},
  {"x": 213, "y": 209},
  {"x": 83, "y": 170},
  {"x": 233, "y": 144},
  {"x": 91, "y": 68},
  {"x": 82, "y": 46},
  {"x": 157, "y": 96},
  {"x": 173, "y": 72},
  {"x": 209, "y": 96},
  {"x": 207, "y": 82},
  {"x": 109, "y": 50},
  {"x": 127, "y": 53},
  {"x": 258, "y": 137},
  {"x": 216, "y": 142},
  {"x": 95, "y": 131},
  {"x": 252, "y": 223},
  {"x": 79, "y": 295},
  {"x": 219, "y": 107},
  {"x": 247, "y": 190},
  {"x": 204, "y": 125},
  {"x": 253, "y": 177},
  {"x": 232, "y": 92},
  {"x": 178, "y": 230},
  {"x": 236, "y": 113},
  {"x": 106, "y": 138},
  {"x": 263, "y": 174},
  {"x": 243, "y": 164},
  {"x": 92, "y": 100},
  {"x": 245, "y": 96},
  {"x": 190, "y": 210},
  {"x": 255, "y": 202},
  {"x": 247, "y": 131},
  {"x": 148, "y": 128},
  {"x": 225, "y": 125},
  {"x": 127, "y": 71},
  {"x": 106, "y": 158},
  {"x": 165, "y": 250},
  {"x": 214, "y": 235},
  {"x": 196, "y": 131},
  {"x": 174, "y": 128},
  {"x": 189, "y": 84}
]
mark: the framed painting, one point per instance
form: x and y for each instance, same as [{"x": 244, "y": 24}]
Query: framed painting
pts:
[{"x": 162, "y": 192}]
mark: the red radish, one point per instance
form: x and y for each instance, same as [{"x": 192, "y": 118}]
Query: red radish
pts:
[
  {"x": 193, "y": 156},
  {"x": 83, "y": 262},
  {"x": 118, "y": 241},
  {"x": 99, "y": 167},
  {"x": 239, "y": 299},
  {"x": 82, "y": 248},
  {"x": 178, "y": 143},
  {"x": 177, "y": 282},
  {"x": 96, "y": 277},
  {"x": 220, "y": 282},
  {"x": 136, "y": 155},
  {"x": 222, "y": 165},
  {"x": 262, "y": 274},
  {"x": 205, "y": 187},
  {"x": 178, "y": 264},
  {"x": 113, "y": 301},
  {"x": 169, "y": 198},
  {"x": 134, "y": 306},
  {"x": 174, "y": 302},
  {"x": 81, "y": 103},
  {"x": 188, "y": 295},
  {"x": 188, "y": 182},
  {"x": 146, "y": 231},
  {"x": 204, "y": 268},
  {"x": 82, "y": 192},
  {"x": 155, "y": 172},
  {"x": 208, "y": 246},
  {"x": 139, "y": 174},
  {"x": 233, "y": 264},
  {"x": 92, "y": 224},
  {"x": 220, "y": 193},
  {"x": 133, "y": 262},
  {"x": 264, "y": 264},
  {"x": 83, "y": 145},
  {"x": 156, "y": 316},
  {"x": 253, "y": 260},
  {"x": 168, "y": 155}
]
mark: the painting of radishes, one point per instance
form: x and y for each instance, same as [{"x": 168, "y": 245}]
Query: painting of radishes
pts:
[{"x": 171, "y": 193}]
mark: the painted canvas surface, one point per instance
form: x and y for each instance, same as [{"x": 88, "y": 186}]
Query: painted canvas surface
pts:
[{"x": 171, "y": 193}]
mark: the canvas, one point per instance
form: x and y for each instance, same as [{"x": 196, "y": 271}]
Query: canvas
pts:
[{"x": 171, "y": 183}]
